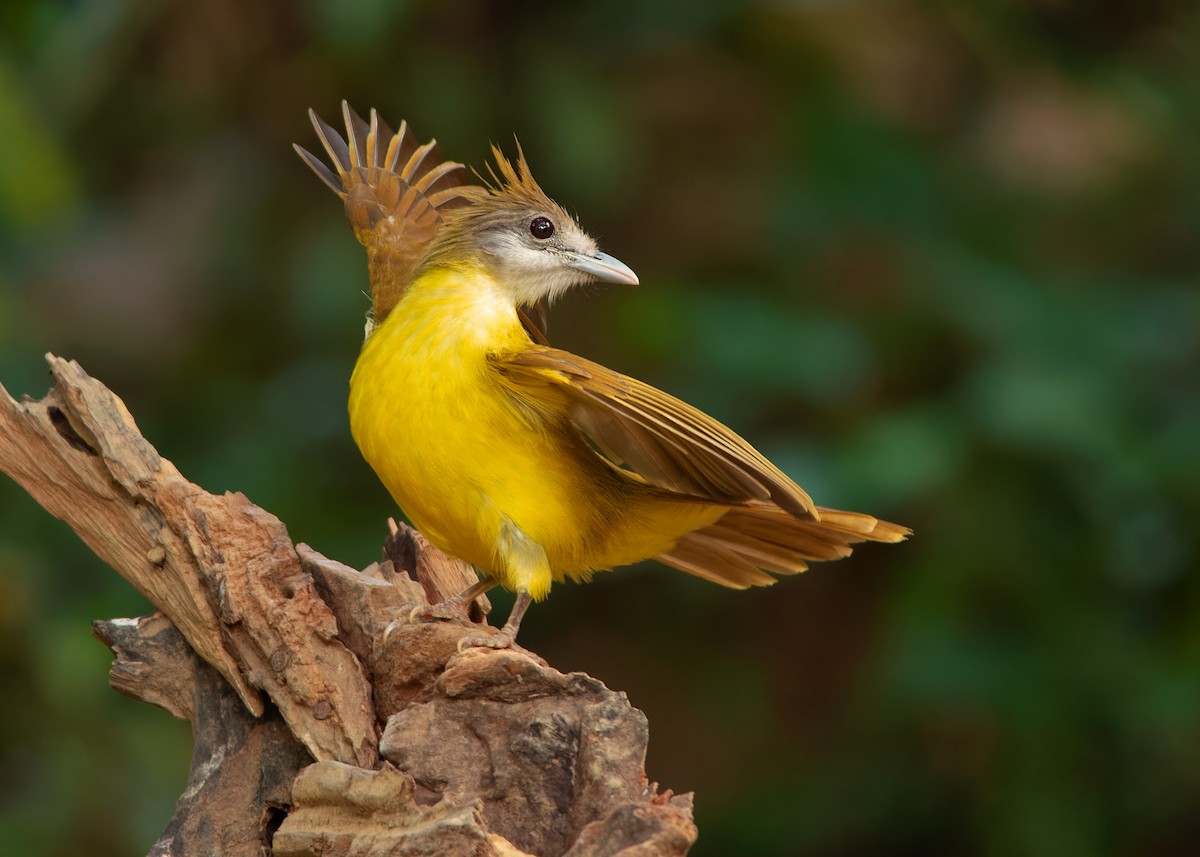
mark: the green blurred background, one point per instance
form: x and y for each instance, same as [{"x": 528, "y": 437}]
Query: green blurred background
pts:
[{"x": 939, "y": 260}]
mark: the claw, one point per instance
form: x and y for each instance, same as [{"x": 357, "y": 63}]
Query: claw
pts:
[
  {"x": 500, "y": 640},
  {"x": 506, "y": 637},
  {"x": 457, "y": 607},
  {"x": 451, "y": 608}
]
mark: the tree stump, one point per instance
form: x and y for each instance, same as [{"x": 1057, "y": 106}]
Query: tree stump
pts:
[{"x": 326, "y": 721}]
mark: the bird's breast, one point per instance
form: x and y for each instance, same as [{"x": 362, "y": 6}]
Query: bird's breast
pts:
[{"x": 458, "y": 453}]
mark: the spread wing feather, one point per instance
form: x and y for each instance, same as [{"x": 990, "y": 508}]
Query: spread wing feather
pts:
[
  {"x": 662, "y": 440},
  {"x": 772, "y": 526}
]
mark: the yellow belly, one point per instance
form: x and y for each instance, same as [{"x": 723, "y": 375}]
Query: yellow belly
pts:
[{"x": 465, "y": 461}]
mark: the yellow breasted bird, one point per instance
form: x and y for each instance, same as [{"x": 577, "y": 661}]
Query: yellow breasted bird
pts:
[{"x": 527, "y": 461}]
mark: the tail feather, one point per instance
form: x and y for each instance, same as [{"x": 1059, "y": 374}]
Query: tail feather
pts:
[
  {"x": 715, "y": 561},
  {"x": 763, "y": 555},
  {"x": 396, "y": 192},
  {"x": 749, "y": 541}
]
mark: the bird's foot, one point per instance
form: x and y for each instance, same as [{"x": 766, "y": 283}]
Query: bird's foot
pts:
[
  {"x": 506, "y": 637},
  {"x": 456, "y": 607},
  {"x": 502, "y": 639}
]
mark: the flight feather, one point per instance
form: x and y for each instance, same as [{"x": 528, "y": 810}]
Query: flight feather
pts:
[{"x": 652, "y": 435}]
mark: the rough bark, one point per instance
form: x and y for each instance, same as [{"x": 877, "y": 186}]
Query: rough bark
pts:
[
  {"x": 240, "y": 781},
  {"x": 220, "y": 568},
  {"x": 281, "y": 657}
]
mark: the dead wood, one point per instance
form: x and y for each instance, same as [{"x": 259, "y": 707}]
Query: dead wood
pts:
[
  {"x": 342, "y": 810},
  {"x": 280, "y": 656},
  {"x": 240, "y": 781},
  {"x": 222, "y": 570}
]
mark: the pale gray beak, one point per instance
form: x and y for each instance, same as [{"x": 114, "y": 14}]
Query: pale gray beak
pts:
[{"x": 604, "y": 267}]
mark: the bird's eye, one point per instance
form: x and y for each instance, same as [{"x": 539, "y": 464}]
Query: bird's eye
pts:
[{"x": 541, "y": 228}]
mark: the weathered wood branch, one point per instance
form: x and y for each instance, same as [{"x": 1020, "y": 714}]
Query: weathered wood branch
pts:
[
  {"x": 220, "y": 568},
  {"x": 240, "y": 783},
  {"x": 280, "y": 656}
]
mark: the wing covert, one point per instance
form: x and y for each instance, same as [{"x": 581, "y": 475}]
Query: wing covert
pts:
[{"x": 663, "y": 440}]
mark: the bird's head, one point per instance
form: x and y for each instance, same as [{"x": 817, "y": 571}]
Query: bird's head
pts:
[{"x": 526, "y": 241}]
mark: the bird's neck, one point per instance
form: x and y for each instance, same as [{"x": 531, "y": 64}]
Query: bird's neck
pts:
[{"x": 461, "y": 309}]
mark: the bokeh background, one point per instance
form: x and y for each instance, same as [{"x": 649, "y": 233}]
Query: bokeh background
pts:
[{"x": 939, "y": 260}]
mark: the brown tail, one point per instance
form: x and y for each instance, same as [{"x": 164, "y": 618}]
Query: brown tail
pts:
[
  {"x": 749, "y": 541},
  {"x": 395, "y": 193}
]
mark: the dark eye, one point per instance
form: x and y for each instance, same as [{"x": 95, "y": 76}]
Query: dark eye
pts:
[{"x": 541, "y": 228}]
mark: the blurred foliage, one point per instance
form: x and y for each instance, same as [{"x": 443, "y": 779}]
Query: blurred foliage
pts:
[{"x": 938, "y": 259}]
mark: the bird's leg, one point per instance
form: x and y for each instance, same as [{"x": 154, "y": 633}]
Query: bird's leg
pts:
[
  {"x": 507, "y": 637},
  {"x": 454, "y": 607},
  {"x": 526, "y": 571}
]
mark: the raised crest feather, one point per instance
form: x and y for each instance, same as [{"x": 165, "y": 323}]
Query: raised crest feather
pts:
[
  {"x": 516, "y": 180},
  {"x": 397, "y": 194}
]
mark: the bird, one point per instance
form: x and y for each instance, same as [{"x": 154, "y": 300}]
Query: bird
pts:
[{"x": 529, "y": 462}]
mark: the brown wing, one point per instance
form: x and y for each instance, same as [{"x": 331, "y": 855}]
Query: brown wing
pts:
[
  {"x": 773, "y": 527},
  {"x": 657, "y": 438},
  {"x": 533, "y": 319},
  {"x": 396, "y": 192}
]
